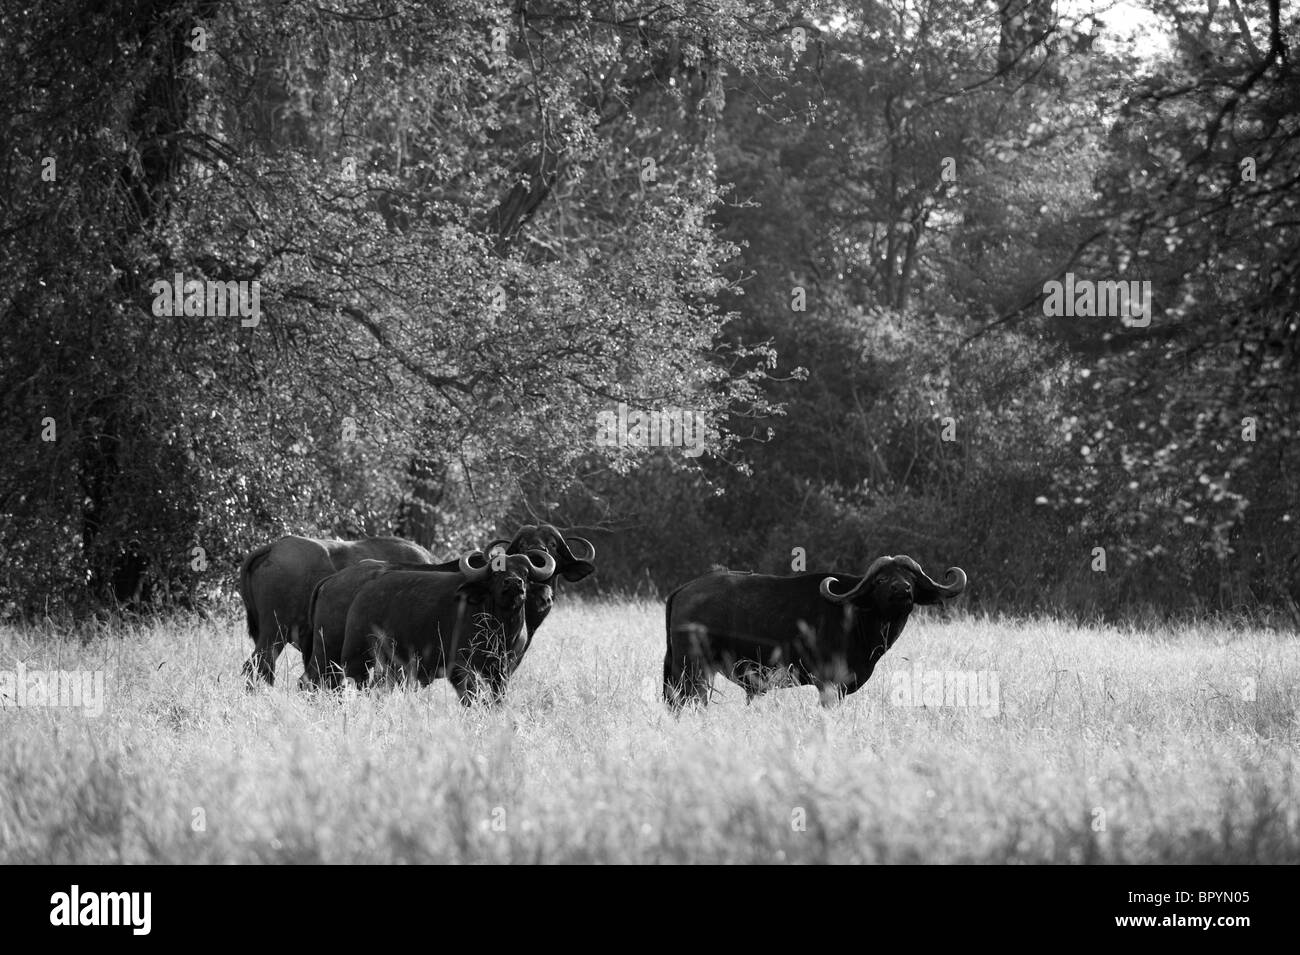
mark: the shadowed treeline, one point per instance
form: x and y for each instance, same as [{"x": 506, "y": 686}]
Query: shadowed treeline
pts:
[{"x": 453, "y": 238}]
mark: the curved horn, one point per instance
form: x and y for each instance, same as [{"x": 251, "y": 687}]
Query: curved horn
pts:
[
  {"x": 877, "y": 565},
  {"x": 469, "y": 571},
  {"x": 543, "y": 571},
  {"x": 954, "y": 581},
  {"x": 591, "y": 548}
]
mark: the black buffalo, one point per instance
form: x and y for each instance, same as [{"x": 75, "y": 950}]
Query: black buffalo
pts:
[
  {"x": 333, "y": 597},
  {"x": 759, "y": 631},
  {"x": 466, "y": 626},
  {"x": 276, "y": 582}
]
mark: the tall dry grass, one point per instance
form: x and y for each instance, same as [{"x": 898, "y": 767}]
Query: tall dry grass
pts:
[{"x": 1108, "y": 746}]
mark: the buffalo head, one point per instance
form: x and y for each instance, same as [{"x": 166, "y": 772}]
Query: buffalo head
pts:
[
  {"x": 893, "y": 585},
  {"x": 503, "y": 582},
  {"x": 546, "y": 537}
]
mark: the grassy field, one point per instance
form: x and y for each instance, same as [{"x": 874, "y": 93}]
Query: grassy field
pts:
[{"x": 1107, "y": 746}]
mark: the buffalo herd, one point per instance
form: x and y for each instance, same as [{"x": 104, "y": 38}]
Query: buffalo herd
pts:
[{"x": 373, "y": 611}]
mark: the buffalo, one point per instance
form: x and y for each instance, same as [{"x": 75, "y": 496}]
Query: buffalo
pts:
[
  {"x": 276, "y": 582},
  {"x": 333, "y": 596},
  {"x": 466, "y": 626},
  {"x": 760, "y": 631}
]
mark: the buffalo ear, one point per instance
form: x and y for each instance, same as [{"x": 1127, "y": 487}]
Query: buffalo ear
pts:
[
  {"x": 474, "y": 591},
  {"x": 577, "y": 570}
]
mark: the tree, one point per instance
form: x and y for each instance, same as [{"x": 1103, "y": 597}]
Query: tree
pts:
[{"x": 379, "y": 172}]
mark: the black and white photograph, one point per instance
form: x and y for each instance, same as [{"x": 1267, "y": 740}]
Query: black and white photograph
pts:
[{"x": 700, "y": 432}]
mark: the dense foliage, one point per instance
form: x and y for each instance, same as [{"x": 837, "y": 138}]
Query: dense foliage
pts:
[{"x": 476, "y": 226}]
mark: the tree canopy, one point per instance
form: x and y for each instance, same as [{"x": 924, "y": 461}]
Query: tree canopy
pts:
[{"x": 476, "y": 227}]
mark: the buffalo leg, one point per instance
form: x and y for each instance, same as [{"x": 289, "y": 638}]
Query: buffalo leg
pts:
[
  {"x": 688, "y": 677},
  {"x": 330, "y": 676},
  {"x": 673, "y": 695},
  {"x": 311, "y": 672},
  {"x": 266, "y": 651},
  {"x": 690, "y": 682},
  {"x": 699, "y": 683},
  {"x": 317, "y": 668},
  {"x": 751, "y": 678},
  {"x": 356, "y": 666},
  {"x": 475, "y": 686},
  {"x": 494, "y": 682},
  {"x": 469, "y": 686}
]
